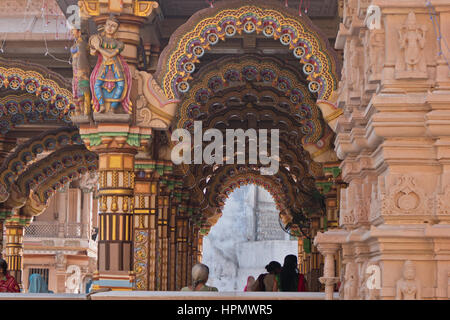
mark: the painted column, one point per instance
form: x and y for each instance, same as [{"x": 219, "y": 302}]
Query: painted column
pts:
[
  {"x": 6, "y": 145},
  {"x": 116, "y": 146},
  {"x": 116, "y": 204},
  {"x": 173, "y": 257},
  {"x": 163, "y": 241},
  {"x": 15, "y": 227},
  {"x": 5, "y": 213}
]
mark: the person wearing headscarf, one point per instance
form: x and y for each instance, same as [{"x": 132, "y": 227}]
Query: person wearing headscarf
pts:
[
  {"x": 7, "y": 281},
  {"x": 200, "y": 274},
  {"x": 290, "y": 279},
  {"x": 273, "y": 269},
  {"x": 37, "y": 284}
]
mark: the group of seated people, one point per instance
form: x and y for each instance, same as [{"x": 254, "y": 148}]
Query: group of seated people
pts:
[{"x": 279, "y": 278}]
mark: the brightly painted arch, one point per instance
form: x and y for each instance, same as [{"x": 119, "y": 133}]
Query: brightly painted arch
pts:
[
  {"x": 188, "y": 44},
  {"x": 32, "y": 94}
]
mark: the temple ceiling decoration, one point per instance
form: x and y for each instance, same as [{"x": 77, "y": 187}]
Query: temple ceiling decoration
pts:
[
  {"x": 30, "y": 93},
  {"x": 214, "y": 79},
  {"x": 207, "y": 27}
]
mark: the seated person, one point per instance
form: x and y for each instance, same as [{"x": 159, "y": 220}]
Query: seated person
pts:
[{"x": 200, "y": 274}]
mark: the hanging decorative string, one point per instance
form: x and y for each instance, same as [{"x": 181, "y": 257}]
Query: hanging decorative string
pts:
[
  {"x": 45, "y": 24},
  {"x": 307, "y": 4},
  {"x": 437, "y": 32},
  {"x": 286, "y": 3},
  {"x": 211, "y": 3}
]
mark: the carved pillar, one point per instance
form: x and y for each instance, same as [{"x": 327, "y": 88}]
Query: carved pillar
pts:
[
  {"x": 329, "y": 278},
  {"x": 116, "y": 146},
  {"x": 15, "y": 227}
]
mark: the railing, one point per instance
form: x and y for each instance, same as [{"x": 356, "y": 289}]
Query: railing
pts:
[
  {"x": 42, "y": 229},
  {"x": 73, "y": 230},
  {"x": 50, "y": 229}
]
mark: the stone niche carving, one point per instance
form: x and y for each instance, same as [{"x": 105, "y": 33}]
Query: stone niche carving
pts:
[
  {"x": 375, "y": 46},
  {"x": 405, "y": 197},
  {"x": 411, "y": 62},
  {"x": 408, "y": 287},
  {"x": 347, "y": 217}
]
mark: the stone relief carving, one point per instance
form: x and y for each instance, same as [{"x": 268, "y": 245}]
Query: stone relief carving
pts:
[
  {"x": 361, "y": 206},
  {"x": 405, "y": 197},
  {"x": 349, "y": 12},
  {"x": 347, "y": 217},
  {"x": 408, "y": 287},
  {"x": 443, "y": 205},
  {"x": 411, "y": 60},
  {"x": 351, "y": 281},
  {"x": 375, "y": 201},
  {"x": 375, "y": 40},
  {"x": 154, "y": 109}
]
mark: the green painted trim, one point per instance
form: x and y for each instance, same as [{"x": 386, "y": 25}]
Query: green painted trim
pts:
[
  {"x": 335, "y": 171},
  {"x": 307, "y": 245},
  {"x": 325, "y": 186},
  {"x": 133, "y": 139}
]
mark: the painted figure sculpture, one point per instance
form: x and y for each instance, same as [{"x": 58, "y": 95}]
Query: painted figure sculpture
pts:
[
  {"x": 81, "y": 72},
  {"x": 111, "y": 78}
]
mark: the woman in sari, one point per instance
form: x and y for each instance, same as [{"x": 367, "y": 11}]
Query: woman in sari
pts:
[{"x": 7, "y": 282}]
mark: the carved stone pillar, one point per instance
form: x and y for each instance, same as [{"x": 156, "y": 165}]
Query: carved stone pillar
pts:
[
  {"x": 328, "y": 244},
  {"x": 329, "y": 278}
]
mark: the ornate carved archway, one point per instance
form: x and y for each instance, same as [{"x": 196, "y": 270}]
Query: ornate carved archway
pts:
[
  {"x": 30, "y": 94},
  {"x": 206, "y": 28}
]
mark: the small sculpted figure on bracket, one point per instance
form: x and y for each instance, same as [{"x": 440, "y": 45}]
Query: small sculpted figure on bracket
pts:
[
  {"x": 111, "y": 78},
  {"x": 81, "y": 71}
]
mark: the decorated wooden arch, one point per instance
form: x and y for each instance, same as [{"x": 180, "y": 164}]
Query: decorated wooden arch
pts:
[
  {"x": 206, "y": 28},
  {"x": 24, "y": 155},
  {"x": 32, "y": 93},
  {"x": 43, "y": 178}
]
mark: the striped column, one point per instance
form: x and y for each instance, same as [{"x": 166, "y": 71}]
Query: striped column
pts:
[
  {"x": 172, "y": 246},
  {"x": 5, "y": 213},
  {"x": 116, "y": 205},
  {"x": 163, "y": 241},
  {"x": 15, "y": 227}
]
